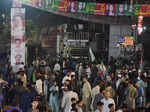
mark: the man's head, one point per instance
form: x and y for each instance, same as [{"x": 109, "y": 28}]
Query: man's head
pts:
[
  {"x": 100, "y": 106},
  {"x": 69, "y": 73},
  {"x": 33, "y": 84},
  {"x": 100, "y": 83},
  {"x": 107, "y": 94},
  {"x": 102, "y": 90},
  {"x": 127, "y": 81},
  {"x": 85, "y": 78},
  {"x": 111, "y": 107},
  {"x": 54, "y": 82},
  {"x": 18, "y": 58},
  {"x": 18, "y": 42},
  {"x": 35, "y": 104},
  {"x": 73, "y": 100},
  {"x": 80, "y": 103}
]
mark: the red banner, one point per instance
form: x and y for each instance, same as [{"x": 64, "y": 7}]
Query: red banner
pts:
[
  {"x": 64, "y": 5},
  {"x": 100, "y": 9},
  {"x": 145, "y": 10}
]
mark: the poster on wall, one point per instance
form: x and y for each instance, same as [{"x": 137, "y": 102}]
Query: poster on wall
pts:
[
  {"x": 124, "y": 10},
  {"x": 81, "y": 7},
  {"x": 88, "y": 7},
  {"x": 17, "y": 36},
  {"x": 17, "y": 53},
  {"x": 47, "y": 4},
  {"x": 16, "y": 3},
  {"x": 17, "y": 23},
  {"x": 40, "y": 3},
  {"x": 111, "y": 9},
  {"x": 129, "y": 41},
  {"x": 64, "y": 5}
]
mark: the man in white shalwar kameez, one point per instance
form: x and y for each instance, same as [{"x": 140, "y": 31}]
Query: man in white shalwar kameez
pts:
[{"x": 66, "y": 101}]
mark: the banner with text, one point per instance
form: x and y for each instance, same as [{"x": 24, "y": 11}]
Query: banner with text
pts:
[
  {"x": 17, "y": 36},
  {"x": 90, "y": 7}
]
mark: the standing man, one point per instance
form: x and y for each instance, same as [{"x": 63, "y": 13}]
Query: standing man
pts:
[
  {"x": 94, "y": 92},
  {"x": 98, "y": 97},
  {"x": 53, "y": 100},
  {"x": 131, "y": 95},
  {"x": 86, "y": 94},
  {"x": 66, "y": 100},
  {"x": 107, "y": 100}
]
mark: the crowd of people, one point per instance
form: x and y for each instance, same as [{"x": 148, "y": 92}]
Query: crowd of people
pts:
[{"x": 75, "y": 86}]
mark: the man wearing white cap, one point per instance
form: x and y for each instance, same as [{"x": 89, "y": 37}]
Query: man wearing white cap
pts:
[{"x": 67, "y": 77}]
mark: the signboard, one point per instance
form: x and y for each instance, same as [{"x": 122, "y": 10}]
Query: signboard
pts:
[
  {"x": 17, "y": 35},
  {"x": 129, "y": 41}
]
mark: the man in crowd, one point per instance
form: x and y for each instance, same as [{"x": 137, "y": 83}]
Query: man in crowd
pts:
[
  {"x": 107, "y": 100},
  {"x": 66, "y": 100},
  {"x": 86, "y": 94},
  {"x": 94, "y": 92},
  {"x": 98, "y": 97},
  {"x": 131, "y": 95},
  {"x": 100, "y": 107},
  {"x": 53, "y": 100}
]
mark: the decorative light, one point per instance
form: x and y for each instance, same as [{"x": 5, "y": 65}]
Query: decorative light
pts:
[{"x": 144, "y": 28}]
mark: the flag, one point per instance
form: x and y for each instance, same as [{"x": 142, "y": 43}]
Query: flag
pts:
[
  {"x": 91, "y": 55},
  {"x": 34, "y": 77},
  {"x": 102, "y": 67}
]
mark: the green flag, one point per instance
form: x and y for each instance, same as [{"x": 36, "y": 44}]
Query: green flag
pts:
[
  {"x": 34, "y": 77},
  {"x": 90, "y": 7},
  {"x": 55, "y": 4},
  {"x": 124, "y": 10},
  {"x": 136, "y": 9}
]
